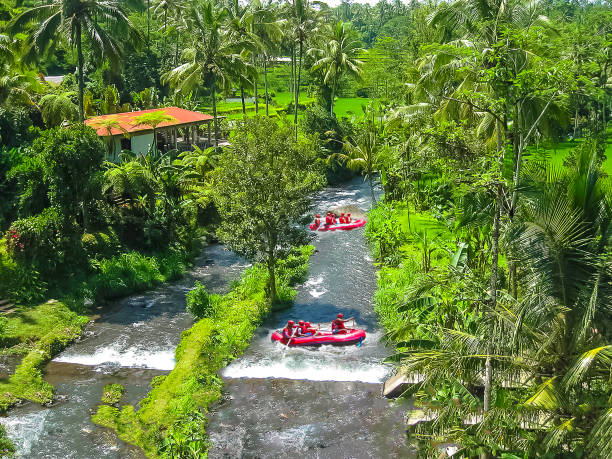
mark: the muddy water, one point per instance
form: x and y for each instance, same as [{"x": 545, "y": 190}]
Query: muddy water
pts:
[
  {"x": 322, "y": 402},
  {"x": 130, "y": 343}
]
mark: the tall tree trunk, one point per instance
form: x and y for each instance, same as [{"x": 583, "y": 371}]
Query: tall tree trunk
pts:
[
  {"x": 493, "y": 289},
  {"x": 576, "y": 120},
  {"x": 372, "y": 189},
  {"x": 79, "y": 45},
  {"x": 266, "y": 83},
  {"x": 242, "y": 99},
  {"x": 297, "y": 89},
  {"x": 85, "y": 213},
  {"x": 256, "y": 84},
  {"x": 176, "y": 50},
  {"x": 165, "y": 28},
  {"x": 148, "y": 24},
  {"x": 292, "y": 84},
  {"x": 331, "y": 104},
  {"x": 214, "y": 104}
]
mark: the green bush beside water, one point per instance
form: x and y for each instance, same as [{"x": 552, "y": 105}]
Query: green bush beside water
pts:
[{"x": 169, "y": 418}]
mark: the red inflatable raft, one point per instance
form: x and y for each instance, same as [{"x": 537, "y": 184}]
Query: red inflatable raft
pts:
[
  {"x": 339, "y": 226},
  {"x": 352, "y": 336}
]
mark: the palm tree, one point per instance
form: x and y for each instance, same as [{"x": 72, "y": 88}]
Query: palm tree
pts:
[
  {"x": 365, "y": 152},
  {"x": 16, "y": 87},
  {"x": 551, "y": 344},
  {"x": 6, "y": 52},
  {"x": 57, "y": 108},
  {"x": 215, "y": 56},
  {"x": 337, "y": 57},
  {"x": 169, "y": 8},
  {"x": 304, "y": 22},
  {"x": 240, "y": 26},
  {"x": 76, "y": 19},
  {"x": 267, "y": 28},
  {"x": 130, "y": 180}
]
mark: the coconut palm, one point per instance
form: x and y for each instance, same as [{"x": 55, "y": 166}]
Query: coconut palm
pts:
[
  {"x": 240, "y": 26},
  {"x": 57, "y": 108},
  {"x": 267, "y": 28},
  {"x": 365, "y": 152},
  {"x": 75, "y": 19},
  {"x": 169, "y": 9},
  {"x": 337, "y": 57},
  {"x": 304, "y": 22},
  {"x": 215, "y": 56},
  {"x": 549, "y": 350}
]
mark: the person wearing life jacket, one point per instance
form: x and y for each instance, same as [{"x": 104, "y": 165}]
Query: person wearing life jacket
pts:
[
  {"x": 301, "y": 328},
  {"x": 348, "y": 218},
  {"x": 337, "y": 324},
  {"x": 328, "y": 219},
  {"x": 317, "y": 221},
  {"x": 333, "y": 216},
  {"x": 289, "y": 330},
  {"x": 342, "y": 218},
  {"x": 309, "y": 329}
]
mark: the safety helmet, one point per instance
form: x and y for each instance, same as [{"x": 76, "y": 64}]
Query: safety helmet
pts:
[
  {"x": 318, "y": 216},
  {"x": 307, "y": 324},
  {"x": 340, "y": 315},
  {"x": 290, "y": 323},
  {"x": 301, "y": 322},
  {"x": 342, "y": 213}
]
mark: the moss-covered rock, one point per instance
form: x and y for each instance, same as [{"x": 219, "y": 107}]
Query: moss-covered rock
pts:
[{"x": 112, "y": 393}]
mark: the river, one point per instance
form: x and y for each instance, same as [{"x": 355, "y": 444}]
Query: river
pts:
[
  {"x": 315, "y": 402},
  {"x": 322, "y": 402},
  {"x": 131, "y": 342}
]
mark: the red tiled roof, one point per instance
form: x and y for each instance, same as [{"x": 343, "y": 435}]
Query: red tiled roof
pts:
[{"x": 126, "y": 120}]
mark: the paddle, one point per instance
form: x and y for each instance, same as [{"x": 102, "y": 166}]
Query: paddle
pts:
[{"x": 294, "y": 332}]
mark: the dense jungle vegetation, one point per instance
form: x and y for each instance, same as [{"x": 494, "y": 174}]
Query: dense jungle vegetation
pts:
[{"x": 486, "y": 123}]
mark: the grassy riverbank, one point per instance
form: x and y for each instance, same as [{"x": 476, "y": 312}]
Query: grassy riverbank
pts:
[
  {"x": 39, "y": 332},
  {"x": 171, "y": 419}
]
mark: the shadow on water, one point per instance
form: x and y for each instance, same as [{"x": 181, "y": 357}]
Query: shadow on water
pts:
[
  {"x": 131, "y": 341},
  {"x": 316, "y": 402}
]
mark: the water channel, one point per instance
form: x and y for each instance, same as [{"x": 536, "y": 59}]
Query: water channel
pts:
[{"x": 321, "y": 402}]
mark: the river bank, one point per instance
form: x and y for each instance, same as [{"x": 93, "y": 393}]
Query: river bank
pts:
[
  {"x": 131, "y": 341},
  {"x": 40, "y": 332}
]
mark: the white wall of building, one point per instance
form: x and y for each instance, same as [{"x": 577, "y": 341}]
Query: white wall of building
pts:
[{"x": 142, "y": 143}]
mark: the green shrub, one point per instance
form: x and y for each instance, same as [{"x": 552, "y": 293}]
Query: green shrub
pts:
[
  {"x": 7, "y": 449},
  {"x": 100, "y": 244},
  {"x": 198, "y": 301},
  {"x": 384, "y": 232},
  {"x": 124, "y": 274},
  {"x": 36, "y": 238}
]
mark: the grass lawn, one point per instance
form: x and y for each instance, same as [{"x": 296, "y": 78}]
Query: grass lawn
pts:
[
  {"x": 344, "y": 107},
  {"x": 350, "y": 106},
  {"x": 558, "y": 152}
]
